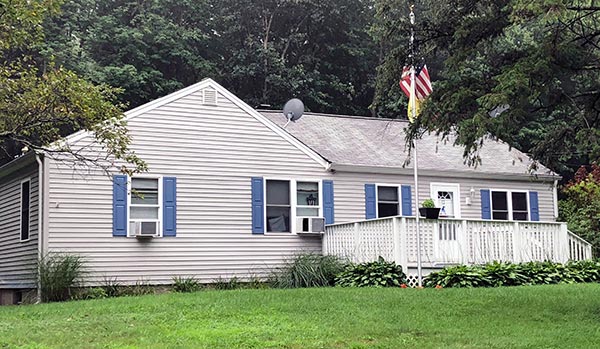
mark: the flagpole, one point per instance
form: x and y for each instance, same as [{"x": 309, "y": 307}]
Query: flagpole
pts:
[{"x": 415, "y": 159}]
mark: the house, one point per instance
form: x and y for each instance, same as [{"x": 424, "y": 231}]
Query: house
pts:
[{"x": 230, "y": 192}]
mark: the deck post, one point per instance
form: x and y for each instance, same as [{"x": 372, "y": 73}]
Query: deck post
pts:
[
  {"x": 396, "y": 240},
  {"x": 402, "y": 245},
  {"x": 517, "y": 245},
  {"x": 356, "y": 242},
  {"x": 324, "y": 243},
  {"x": 464, "y": 243},
  {"x": 563, "y": 243}
]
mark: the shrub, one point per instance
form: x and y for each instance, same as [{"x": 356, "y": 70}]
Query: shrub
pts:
[
  {"x": 585, "y": 271},
  {"x": 504, "y": 274},
  {"x": 308, "y": 270},
  {"x": 58, "y": 274},
  {"x": 458, "y": 276},
  {"x": 183, "y": 284},
  {"x": 377, "y": 274},
  {"x": 508, "y": 274},
  {"x": 91, "y": 293},
  {"x": 580, "y": 207},
  {"x": 544, "y": 273}
]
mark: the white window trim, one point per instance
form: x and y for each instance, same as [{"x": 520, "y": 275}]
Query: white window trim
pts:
[
  {"x": 24, "y": 180},
  {"x": 509, "y": 202},
  {"x": 398, "y": 188},
  {"x": 453, "y": 187},
  {"x": 293, "y": 204},
  {"x": 159, "y": 178}
]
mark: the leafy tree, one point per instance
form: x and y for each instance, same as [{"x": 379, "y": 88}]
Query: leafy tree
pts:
[
  {"x": 581, "y": 206},
  {"x": 39, "y": 105},
  {"x": 147, "y": 48},
  {"x": 264, "y": 51},
  {"x": 539, "y": 59},
  {"x": 320, "y": 51}
]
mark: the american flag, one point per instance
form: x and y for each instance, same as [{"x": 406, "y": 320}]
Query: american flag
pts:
[{"x": 423, "y": 83}]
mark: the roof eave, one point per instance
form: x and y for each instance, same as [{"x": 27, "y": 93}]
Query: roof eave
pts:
[
  {"x": 17, "y": 164},
  {"x": 445, "y": 174}
]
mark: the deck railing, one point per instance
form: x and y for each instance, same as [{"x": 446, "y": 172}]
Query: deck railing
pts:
[{"x": 454, "y": 241}]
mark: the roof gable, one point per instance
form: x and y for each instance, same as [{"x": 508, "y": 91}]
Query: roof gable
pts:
[{"x": 211, "y": 84}]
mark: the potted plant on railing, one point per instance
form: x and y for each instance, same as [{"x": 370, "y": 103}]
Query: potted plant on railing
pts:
[{"x": 428, "y": 209}]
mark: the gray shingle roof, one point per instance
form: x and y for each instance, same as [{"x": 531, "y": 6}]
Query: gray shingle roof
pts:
[{"x": 373, "y": 142}]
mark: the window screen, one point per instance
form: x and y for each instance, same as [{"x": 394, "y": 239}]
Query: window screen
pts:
[
  {"x": 499, "y": 205},
  {"x": 278, "y": 206},
  {"x": 145, "y": 206},
  {"x": 307, "y": 199},
  {"x": 388, "y": 202},
  {"x": 519, "y": 206}
]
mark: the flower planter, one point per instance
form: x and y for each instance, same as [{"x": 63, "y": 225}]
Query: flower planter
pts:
[{"x": 430, "y": 213}]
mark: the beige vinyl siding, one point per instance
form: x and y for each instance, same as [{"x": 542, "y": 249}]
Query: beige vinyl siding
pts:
[
  {"x": 17, "y": 258},
  {"x": 213, "y": 151},
  {"x": 350, "y": 192}
]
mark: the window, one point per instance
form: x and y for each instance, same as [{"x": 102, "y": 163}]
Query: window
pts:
[
  {"x": 25, "y": 209},
  {"x": 144, "y": 210},
  {"x": 510, "y": 205},
  {"x": 499, "y": 205},
  {"x": 519, "y": 206},
  {"x": 307, "y": 199},
  {"x": 278, "y": 206},
  {"x": 388, "y": 203}
]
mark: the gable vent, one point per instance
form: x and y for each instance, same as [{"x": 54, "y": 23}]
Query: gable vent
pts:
[{"x": 210, "y": 96}]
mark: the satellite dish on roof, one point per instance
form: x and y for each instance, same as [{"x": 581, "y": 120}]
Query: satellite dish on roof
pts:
[
  {"x": 293, "y": 110},
  {"x": 499, "y": 110}
]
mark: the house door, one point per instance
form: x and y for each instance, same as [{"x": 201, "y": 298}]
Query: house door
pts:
[{"x": 448, "y": 232}]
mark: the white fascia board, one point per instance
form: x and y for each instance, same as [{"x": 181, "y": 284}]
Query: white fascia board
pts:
[
  {"x": 234, "y": 99},
  {"x": 446, "y": 174}
]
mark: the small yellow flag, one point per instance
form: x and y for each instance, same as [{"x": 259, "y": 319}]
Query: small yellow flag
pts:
[{"x": 417, "y": 102}]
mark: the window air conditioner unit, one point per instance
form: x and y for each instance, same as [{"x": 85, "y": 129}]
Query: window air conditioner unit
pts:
[
  {"x": 310, "y": 225},
  {"x": 145, "y": 229}
]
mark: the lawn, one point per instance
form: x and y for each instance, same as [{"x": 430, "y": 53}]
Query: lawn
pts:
[{"x": 555, "y": 316}]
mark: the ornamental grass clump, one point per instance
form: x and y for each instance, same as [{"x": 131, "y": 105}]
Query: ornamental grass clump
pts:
[
  {"x": 372, "y": 274},
  {"x": 308, "y": 270},
  {"x": 59, "y": 274},
  {"x": 186, "y": 284}
]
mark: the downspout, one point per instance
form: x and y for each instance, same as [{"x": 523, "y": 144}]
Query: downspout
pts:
[{"x": 41, "y": 199}]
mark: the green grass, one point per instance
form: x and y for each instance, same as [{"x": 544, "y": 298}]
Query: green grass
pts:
[{"x": 558, "y": 316}]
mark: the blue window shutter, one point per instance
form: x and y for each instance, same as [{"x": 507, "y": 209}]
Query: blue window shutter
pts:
[
  {"x": 328, "y": 202},
  {"x": 370, "y": 201},
  {"x": 406, "y": 200},
  {"x": 533, "y": 206},
  {"x": 169, "y": 206},
  {"x": 120, "y": 205},
  {"x": 486, "y": 207},
  {"x": 258, "y": 219}
]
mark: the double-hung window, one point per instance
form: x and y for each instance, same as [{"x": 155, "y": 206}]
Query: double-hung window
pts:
[
  {"x": 278, "y": 206},
  {"x": 509, "y": 205},
  {"x": 307, "y": 199},
  {"x": 287, "y": 200},
  {"x": 388, "y": 201},
  {"x": 144, "y": 209},
  {"x": 25, "y": 209}
]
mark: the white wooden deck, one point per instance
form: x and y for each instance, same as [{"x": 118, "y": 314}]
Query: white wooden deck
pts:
[{"x": 454, "y": 241}]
